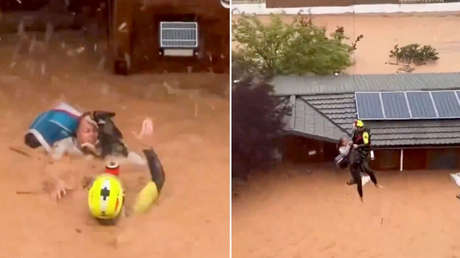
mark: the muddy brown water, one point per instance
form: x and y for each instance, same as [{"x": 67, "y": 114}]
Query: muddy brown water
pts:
[
  {"x": 190, "y": 116},
  {"x": 309, "y": 211}
]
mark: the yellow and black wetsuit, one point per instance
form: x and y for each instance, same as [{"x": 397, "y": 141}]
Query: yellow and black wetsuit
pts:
[
  {"x": 149, "y": 194},
  {"x": 362, "y": 138},
  {"x": 359, "y": 161}
]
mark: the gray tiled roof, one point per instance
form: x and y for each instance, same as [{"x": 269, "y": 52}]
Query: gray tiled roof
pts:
[
  {"x": 305, "y": 120},
  {"x": 327, "y": 109},
  {"x": 296, "y": 85}
]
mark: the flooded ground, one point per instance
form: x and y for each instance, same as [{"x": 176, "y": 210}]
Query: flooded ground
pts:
[
  {"x": 309, "y": 211},
  {"x": 382, "y": 32},
  {"x": 190, "y": 117}
]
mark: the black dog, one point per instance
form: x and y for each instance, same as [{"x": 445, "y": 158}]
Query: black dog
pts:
[{"x": 110, "y": 137}]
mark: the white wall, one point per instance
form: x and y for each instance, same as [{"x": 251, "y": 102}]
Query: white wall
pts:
[{"x": 374, "y": 8}]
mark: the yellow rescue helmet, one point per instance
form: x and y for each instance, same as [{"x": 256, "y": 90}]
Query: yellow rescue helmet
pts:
[
  {"x": 359, "y": 123},
  {"x": 105, "y": 197}
]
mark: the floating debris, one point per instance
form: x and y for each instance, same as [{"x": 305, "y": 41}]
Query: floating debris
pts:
[{"x": 17, "y": 150}]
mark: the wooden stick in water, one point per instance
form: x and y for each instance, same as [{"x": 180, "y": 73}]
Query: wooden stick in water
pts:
[{"x": 20, "y": 151}]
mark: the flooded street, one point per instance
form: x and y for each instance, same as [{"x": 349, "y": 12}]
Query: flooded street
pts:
[
  {"x": 191, "y": 131},
  {"x": 309, "y": 211}
]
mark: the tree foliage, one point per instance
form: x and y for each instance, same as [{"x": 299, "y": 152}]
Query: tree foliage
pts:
[
  {"x": 414, "y": 53},
  {"x": 257, "y": 122},
  {"x": 298, "y": 47}
]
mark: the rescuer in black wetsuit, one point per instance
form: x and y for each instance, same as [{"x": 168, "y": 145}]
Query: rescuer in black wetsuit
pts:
[{"x": 359, "y": 156}]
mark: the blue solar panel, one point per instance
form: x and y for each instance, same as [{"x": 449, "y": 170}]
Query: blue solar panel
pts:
[
  {"x": 395, "y": 105},
  {"x": 446, "y": 104},
  {"x": 408, "y": 105},
  {"x": 369, "y": 106},
  {"x": 421, "y": 105}
]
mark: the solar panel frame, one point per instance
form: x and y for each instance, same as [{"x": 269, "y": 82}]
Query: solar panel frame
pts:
[
  {"x": 410, "y": 107},
  {"x": 395, "y": 105},
  {"x": 414, "y": 110},
  {"x": 457, "y": 92},
  {"x": 442, "y": 104},
  {"x": 358, "y": 107},
  {"x": 407, "y": 103}
]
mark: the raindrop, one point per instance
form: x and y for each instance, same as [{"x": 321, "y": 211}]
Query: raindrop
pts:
[
  {"x": 101, "y": 64},
  {"x": 80, "y": 49},
  {"x": 122, "y": 27},
  {"x": 128, "y": 60},
  {"x": 32, "y": 45},
  {"x": 49, "y": 31},
  {"x": 43, "y": 68},
  {"x": 196, "y": 109},
  {"x": 21, "y": 29},
  {"x": 105, "y": 89}
]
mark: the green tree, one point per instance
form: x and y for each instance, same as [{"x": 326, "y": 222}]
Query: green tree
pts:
[
  {"x": 257, "y": 123},
  {"x": 414, "y": 53},
  {"x": 298, "y": 47}
]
